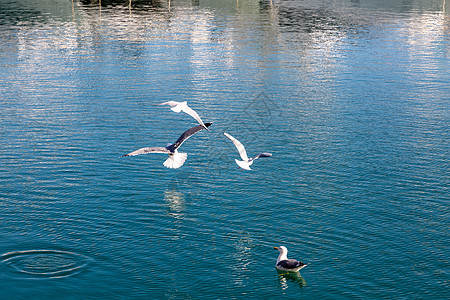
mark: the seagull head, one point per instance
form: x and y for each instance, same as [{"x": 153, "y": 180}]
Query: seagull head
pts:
[{"x": 282, "y": 249}]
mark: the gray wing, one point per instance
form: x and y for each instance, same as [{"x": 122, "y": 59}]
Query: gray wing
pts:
[
  {"x": 187, "y": 134},
  {"x": 239, "y": 146},
  {"x": 262, "y": 155},
  {"x": 148, "y": 150},
  {"x": 290, "y": 264}
]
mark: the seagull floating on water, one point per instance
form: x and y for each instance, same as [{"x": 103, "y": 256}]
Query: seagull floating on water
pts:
[
  {"x": 182, "y": 106},
  {"x": 285, "y": 264},
  {"x": 176, "y": 159},
  {"x": 246, "y": 162}
]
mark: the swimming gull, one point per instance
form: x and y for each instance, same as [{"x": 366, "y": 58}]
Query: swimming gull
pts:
[
  {"x": 246, "y": 162},
  {"x": 285, "y": 264},
  {"x": 176, "y": 159},
  {"x": 182, "y": 106}
]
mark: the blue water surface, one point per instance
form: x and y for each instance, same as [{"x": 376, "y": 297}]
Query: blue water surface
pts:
[{"x": 350, "y": 97}]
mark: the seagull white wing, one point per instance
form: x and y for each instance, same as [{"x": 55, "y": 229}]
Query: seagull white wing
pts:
[
  {"x": 171, "y": 103},
  {"x": 239, "y": 146},
  {"x": 174, "y": 105},
  {"x": 192, "y": 113},
  {"x": 148, "y": 150},
  {"x": 182, "y": 106}
]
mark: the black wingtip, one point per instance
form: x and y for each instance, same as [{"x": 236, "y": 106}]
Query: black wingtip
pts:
[{"x": 207, "y": 125}]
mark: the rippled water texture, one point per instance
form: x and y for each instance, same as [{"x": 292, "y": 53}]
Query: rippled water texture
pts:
[
  {"x": 350, "y": 97},
  {"x": 45, "y": 263}
]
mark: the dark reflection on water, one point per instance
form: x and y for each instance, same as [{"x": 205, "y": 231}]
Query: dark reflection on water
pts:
[
  {"x": 135, "y": 5},
  {"x": 286, "y": 279}
]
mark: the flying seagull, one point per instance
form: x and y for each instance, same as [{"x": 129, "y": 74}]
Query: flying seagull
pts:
[
  {"x": 285, "y": 264},
  {"x": 176, "y": 159},
  {"x": 182, "y": 106},
  {"x": 246, "y": 162}
]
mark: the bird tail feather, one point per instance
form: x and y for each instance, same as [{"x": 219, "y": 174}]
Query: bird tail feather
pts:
[{"x": 175, "y": 160}]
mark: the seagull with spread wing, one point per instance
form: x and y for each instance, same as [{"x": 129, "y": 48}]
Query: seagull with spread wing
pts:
[
  {"x": 176, "y": 159},
  {"x": 246, "y": 162},
  {"x": 182, "y": 106}
]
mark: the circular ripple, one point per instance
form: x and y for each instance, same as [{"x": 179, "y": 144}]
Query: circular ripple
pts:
[{"x": 45, "y": 263}]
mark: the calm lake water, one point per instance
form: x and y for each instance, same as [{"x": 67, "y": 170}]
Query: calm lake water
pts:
[{"x": 350, "y": 97}]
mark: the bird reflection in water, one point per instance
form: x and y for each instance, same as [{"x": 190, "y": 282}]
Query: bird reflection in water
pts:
[
  {"x": 175, "y": 203},
  {"x": 285, "y": 277}
]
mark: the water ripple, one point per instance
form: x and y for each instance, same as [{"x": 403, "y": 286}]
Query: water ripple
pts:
[{"x": 41, "y": 264}]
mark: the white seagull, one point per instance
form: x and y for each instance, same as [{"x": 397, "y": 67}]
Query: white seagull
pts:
[
  {"x": 246, "y": 162},
  {"x": 285, "y": 264},
  {"x": 176, "y": 159},
  {"x": 182, "y": 106}
]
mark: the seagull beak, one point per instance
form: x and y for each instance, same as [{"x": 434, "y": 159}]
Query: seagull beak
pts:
[{"x": 276, "y": 248}]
